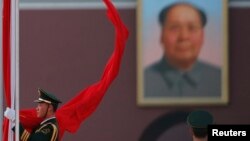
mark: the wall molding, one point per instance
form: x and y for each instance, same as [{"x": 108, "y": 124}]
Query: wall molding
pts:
[
  {"x": 72, "y": 5},
  {"x": 239, "y": 4},
  {"x": 98, "y": 5}
]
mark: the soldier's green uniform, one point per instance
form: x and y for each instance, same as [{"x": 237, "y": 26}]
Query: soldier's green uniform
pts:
[{"x": 48, "y": 129}]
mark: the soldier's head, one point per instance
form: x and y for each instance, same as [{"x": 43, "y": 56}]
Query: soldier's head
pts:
[
  {"x": 198, "y": 121},
  {"x": 47, "y": 104}
]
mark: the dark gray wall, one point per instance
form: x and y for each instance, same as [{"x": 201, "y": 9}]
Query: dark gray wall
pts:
[{"x": 64, "y": 51}]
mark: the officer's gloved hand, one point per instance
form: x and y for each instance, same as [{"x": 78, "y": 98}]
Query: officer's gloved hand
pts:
[{"x": 10, "y": 114}]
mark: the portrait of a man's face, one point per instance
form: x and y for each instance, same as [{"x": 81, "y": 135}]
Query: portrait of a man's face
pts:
[
  {"x": 182, "y": 34},
  {"x": 182, "y": 48}
]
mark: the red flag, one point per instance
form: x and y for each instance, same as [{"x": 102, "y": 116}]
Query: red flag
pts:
[
  {"x": 73, "y": 113},
  {"x": 6, "y": 62}
]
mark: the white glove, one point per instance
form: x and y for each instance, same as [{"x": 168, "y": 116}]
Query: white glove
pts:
[{"x": 10, "y": 114}]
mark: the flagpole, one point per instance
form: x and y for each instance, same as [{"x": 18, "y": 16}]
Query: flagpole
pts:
[
  {"x": 14, "y": 11},
  {"x": 12, "y": 63},
  {"x": 17, "y": 68}
]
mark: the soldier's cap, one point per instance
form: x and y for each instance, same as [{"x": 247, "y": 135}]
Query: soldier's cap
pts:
[
  {"x": 199, "y": 119},
  {"x": 46, "y": 97}
]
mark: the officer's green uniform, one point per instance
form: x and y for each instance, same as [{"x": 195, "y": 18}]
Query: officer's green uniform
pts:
[{"x": 48, "y": 129}]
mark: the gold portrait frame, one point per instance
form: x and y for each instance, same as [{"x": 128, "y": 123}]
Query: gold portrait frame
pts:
[{"x": 142, "y": 10}]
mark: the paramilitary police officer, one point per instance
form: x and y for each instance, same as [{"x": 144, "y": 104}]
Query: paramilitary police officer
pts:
[
  {"x": 198, "y": 121},
  {"x": 48, "y": 129}
]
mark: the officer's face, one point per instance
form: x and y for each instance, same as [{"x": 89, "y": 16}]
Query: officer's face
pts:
[
  {"x": 182, "y": 35},
  {"x": 41, "y": 109}
]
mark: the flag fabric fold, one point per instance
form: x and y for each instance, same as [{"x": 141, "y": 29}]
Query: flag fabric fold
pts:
[
  {"x": 74, "y": 112},
  {"x": 8, "y": 58}
]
